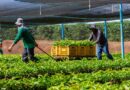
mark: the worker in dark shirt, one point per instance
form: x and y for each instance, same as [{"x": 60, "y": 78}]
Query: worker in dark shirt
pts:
[
  {"x": 102, "y": 44},
  {"x": 28, "y": 41}
]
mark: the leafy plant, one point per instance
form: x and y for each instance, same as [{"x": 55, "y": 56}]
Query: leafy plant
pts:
[{"x": 73, "y": 43}]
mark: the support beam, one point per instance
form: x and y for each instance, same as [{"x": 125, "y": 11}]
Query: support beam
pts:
[
  {"x": 105, "y": 28},
  {"x": 0, "y": 31},
  {"x": 121, "y": 30},
  {"x": 62, "y": 31},
  {"x": 0, "y": 26}
]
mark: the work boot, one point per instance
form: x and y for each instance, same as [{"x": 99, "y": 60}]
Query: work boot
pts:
[
  {"x": 25, "y": 60},
  {"x": 34, "y": 59}
]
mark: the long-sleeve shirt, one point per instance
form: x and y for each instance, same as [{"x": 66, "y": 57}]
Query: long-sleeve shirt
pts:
[
  {"x": 25, "y": 34},
  {"x": 0, "y": 43},
  {"x": 98, "y": 37}
]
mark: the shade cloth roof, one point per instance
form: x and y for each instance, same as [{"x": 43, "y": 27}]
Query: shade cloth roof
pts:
[{"x": 60, "y": 11}]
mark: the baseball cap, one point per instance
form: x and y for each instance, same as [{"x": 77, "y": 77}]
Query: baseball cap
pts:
[
  {"x": 19, "y": 21},
  {"x": 92, "y": 26}
]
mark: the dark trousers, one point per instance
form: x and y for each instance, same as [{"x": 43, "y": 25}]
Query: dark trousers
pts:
[
  {"x": 1, "y": 51},
  {"x": 28, "y": 52},
  {"x": 103, "y": 48}
]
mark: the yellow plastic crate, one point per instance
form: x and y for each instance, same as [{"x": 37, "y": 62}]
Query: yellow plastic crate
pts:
[
  {"x": 63, "y": 51},
  {"x": 54, "y": 50},
  {"x": 92, "y": 51},
  {"x": 87, "y": 51},
  {"x": 73, "y": 51},
  {"x": 81, "y": 51}
]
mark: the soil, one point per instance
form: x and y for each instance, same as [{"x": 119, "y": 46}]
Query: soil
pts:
[{"x": 114, "y": 47}]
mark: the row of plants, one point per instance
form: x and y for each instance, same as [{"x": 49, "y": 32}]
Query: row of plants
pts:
[
  {"x": 48, "y": 74},
  {"x": 80, "y": 80},
  {"x": 73, "y": 43},
  {"x": 85, "y": 85},
  {"x": 15, "y": 67}
]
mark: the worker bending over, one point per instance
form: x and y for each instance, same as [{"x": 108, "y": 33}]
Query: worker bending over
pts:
[{"x": 102, "y": 43}]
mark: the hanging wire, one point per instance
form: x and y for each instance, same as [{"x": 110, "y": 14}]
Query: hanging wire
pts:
[
  {"x": 89, "y": 5},
  {"x": 40, "y": 9},
  {"x": 1, "y": 31},
  {"x": 112, "y": 8}
]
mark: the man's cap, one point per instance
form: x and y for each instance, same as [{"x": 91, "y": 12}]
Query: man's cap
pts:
[
  {"x": 92, "y": 26},
  {"x": 19, "y": 21}
]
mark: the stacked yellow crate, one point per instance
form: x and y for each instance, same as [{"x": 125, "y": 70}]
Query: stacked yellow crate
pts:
[
  {"x": 91, "y": 51},
  {"x": 63, "y": 51},
  {"x": 71, "y": 48},
  {"x": 73, "y": 51},
  {"x": 81, "y": 51}
]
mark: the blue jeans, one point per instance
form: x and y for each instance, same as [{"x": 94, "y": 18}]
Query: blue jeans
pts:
[{"x": 103, "y": 48}]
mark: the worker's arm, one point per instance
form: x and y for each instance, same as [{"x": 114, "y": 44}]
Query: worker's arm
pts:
[
  {"x": 98, "y": 36},
  {"x": 35, "y": 42},
  {"x": 11, "y": 46},
  {"x": 18, "y": 37},
  {"x": 33, "y": 38},
  {"x": 90, "y": 37}
]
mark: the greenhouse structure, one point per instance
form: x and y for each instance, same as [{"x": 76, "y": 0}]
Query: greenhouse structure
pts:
[
  {"x": 65, "y": 11},
  {"x": 64, "y": 57}
]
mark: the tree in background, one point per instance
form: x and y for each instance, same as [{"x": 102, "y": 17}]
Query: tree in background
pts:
[{"x": 78, "y": 31}]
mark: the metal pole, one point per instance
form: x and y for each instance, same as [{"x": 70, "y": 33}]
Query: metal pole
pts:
[
  {"x": 105, "y": 28},
  {"x": 121, "y": 30},
  {"x": 0, "y": 26},
  {"x": 0, "y": 30},
  {"x": 62, "y": 31}
]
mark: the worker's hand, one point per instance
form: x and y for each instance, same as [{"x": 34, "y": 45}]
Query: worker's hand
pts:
[
  {"x": 11, "y": 46},
  {"x": 95, "y": 42},
  {"x": 10, "y": 49}
]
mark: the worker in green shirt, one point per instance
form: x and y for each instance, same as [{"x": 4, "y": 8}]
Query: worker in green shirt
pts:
[
  {"x": 1, "y": 51},
  {"x": 28, "y": 41}
]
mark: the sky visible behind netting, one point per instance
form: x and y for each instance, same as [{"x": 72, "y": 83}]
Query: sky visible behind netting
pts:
[{"x": 60, "y": 11}]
